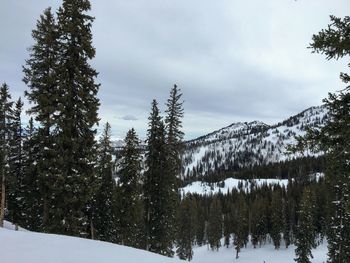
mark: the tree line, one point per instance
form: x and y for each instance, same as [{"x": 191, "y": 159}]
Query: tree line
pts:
[
  {"x": 266, "y": 214},
  {"x": 55, "y": 176}
]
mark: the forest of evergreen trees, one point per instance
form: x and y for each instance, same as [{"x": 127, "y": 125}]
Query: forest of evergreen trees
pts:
[{"x": 57, "y": 178}]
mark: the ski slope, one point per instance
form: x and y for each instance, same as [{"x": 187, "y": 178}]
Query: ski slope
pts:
[
  {"x": 30, "y": 247},
  {"x": 265, "y": 254}
]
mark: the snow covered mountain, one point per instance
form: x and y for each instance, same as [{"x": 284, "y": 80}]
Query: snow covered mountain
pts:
[{"x": 247, "y": 144}]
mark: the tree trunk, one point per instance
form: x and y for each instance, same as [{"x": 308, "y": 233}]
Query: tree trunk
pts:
[
  {"x": 92, "y": 230},
  {"x": 2, "y": 205}
]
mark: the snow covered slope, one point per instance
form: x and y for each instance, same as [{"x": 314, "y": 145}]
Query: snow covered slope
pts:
[
  {"x": 246, "y": 144},
  {"x": 265, "y": 254},
  {"x": 30, "y": 247},
  {"x": 204, "y": 188}
]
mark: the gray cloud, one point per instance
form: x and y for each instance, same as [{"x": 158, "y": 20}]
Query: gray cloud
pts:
[
  {"x": 233, "y": 60},
  {"x": 129, "y": 118}
]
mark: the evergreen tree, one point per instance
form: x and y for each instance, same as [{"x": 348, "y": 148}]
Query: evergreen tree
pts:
[
  {"x": 130, "y": 209},
  {"x": 333, "y": 139},
  {"x": 77, "y": 107},
  {"x": 5, "y": 126},
  {"x": 227, "y": 225},
  {"x": 15, "y": 165},
  {"x": 286, "y": 223},
  {"x": 201, "y": 223},
  {"x": 306, "y": 232},
  {"x": 103, "y": 222},
  {"x": 41, "y": 76},
  {"x": 276, "y": 219},
  {"x": 30, "y": 189},
  {"x": 241, "y": 229},
  {"x": 215, "y": 224},
  {"x": 259, "y": 222},
  {"x": 156, "y": 188},
  {"x": 174, "y": 146},
  {"x": 187, "y": 223}
]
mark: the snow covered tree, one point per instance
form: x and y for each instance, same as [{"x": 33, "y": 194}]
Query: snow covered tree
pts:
[
  {"x": 30, "y": 189},
  {"x": 333, "y": 139},
  {"x": 102, "y": 223},
  {"x": 258, "y": 222},
  {"x": 201, "y": 224},
  {"x": 156, "y": 188},
  {"x": 187, "y": 223},
  {"x": 241, "y": 228},
  {"x": 174, "y": 147},
  {"x": 41, "y": 76},
  {"x": 77, "y": 106},
  {"x": 5, "y": 129},
  {"x": 215, "y": 224},
  {"x": 130, "y": 203},
  {"x": 276, "y": 219},
  {"x": 15, "y": 164},
  {"x": 306, "y": 232}
]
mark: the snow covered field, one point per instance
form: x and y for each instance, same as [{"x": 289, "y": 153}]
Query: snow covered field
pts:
[
  {"x": 203, "y": 188},
  {"x": 30, "y": 247},
  {"x": 265, "y": 254}
]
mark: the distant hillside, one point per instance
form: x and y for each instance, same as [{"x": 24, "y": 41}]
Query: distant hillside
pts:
[{"x": 241, "y": 145}]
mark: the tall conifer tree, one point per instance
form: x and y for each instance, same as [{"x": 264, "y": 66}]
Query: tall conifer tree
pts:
[
  {"x": 103, "y": 217},
  {"x": 15, "y": 164},
  {"x": 333, "y": 139},
  {"x": 31, "y": 186},
  {"x": 130, "y": 215},
  {"x": 215, "y": 224},
  {"x": 306, "y": 232},
  {"x": 156, "y": 188},
  {"x": 41, "y": 76},
  {"x": 77, "y": 107},
  {"x": 174, "y": 146},
  {"x": 5, "y": 125}
]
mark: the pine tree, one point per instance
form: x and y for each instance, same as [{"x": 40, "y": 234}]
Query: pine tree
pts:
[
  {"x": 102, "y": 223},
  {"x": 187, "y": 223},
  {"x": 174, "y": 147},
  {"x": 201, "y": 223},
  {"x": 77, "y": 107},
  {"x": 286, "y": 223},
  {"x": 5, "y": 124},
  {"x": 130, "y": 215},
  {"x": 306, "y": 232},
  {"x": 276, "y": 219},
  {"x": 31, "y": 188},
  {"x": 241, "y": 229},
  {"x": 156, "y": 188},
  {"x": 41, "y": 76},
  {"x": 227, "y": 227},
  {"x": 215, "y": 224},
  {"x": 15, "y": 165},
  {"x": 333, "y": 139},
  {"x": 259, "y": 222}
]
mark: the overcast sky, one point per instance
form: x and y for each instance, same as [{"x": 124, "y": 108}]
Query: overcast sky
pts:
[{"x": 234, "y": 60}]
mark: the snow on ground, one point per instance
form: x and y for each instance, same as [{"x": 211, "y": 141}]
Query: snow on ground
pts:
[
  {"x": 203, "y": 188},
  {"x": 223, "y": 187},
  {"x": 10, "y": 226},
  {"x": 265, "y": 254},
  {"x": 31, "y": 247}
]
